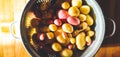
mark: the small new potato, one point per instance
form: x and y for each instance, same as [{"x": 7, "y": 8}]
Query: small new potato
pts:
[
  {"x": 89, "y": 20},
  {"x": 66, "y": 53},
  {"x": 52, "y": 27},
  {"x": 42, "y": 36},
  {"x": 73, "y": 11},
  {"x": 90, "y": 33},
  {"x": 77, "y": 3},
  {"x": 58, "y": 22},
  {"x": 58, "y": 31},
  {"x": 70, "y": 46},
  {"x": 85, "y": 9},
  {"x": 50, "y": 35},
  {"x": 62, "y": 14},
  {"x": 87, "y": 29},
  {"x": 64, "y": 35},
  {"x": 67, "y": 28},
  {"x": 73, "y": 20},
  {"x": 88, "y": 40},
  {"x": 56, "y": 47},
  {"x": 80, "y": 41},
  {"x": 84, "y": 25},
  {"x": 61, "y": 40},
  {"x": 65, "y": 5},
  {"x": 72, "y": 40},
  {"x": 82, "y": 17}
]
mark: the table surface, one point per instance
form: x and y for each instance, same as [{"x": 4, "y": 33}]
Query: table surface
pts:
[{"x": 11, "y": 47}]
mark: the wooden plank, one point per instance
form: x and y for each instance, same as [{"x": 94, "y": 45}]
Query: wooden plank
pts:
[
  {"x": 1, "y": 48},
  {"x": 19, "y": 47}
]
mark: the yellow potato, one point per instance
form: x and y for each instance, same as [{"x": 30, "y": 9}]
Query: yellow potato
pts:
[
  {"x": 65, "y": 5},
  {"x": 84, "y": 25},
  {"x": 64, "y": 35},
  {"x": 67, "y": 28},
  {"x": 87, "y": 29},
  {"x": 90, "y": 33},
  {"x": 66, "y": 53},
  {"x": 58, "y": 31},
  {"x": 82, "y": 17},
  {"x": 50, "y": 35},
  {"x": 80, "y": 41},
  {"x": 85, "y": 9},
  {"x": 72, "y": 40},
  {"x": 89, "y": 20},
  {"x": 61, "y": 40},
  {"x": 52, "y": 27},
  {"x": 56, "y": 47},
  {"x": 88, "y": 39},
  {"x": 73, "y": 11},
  {"x": 77, "y": 3}
]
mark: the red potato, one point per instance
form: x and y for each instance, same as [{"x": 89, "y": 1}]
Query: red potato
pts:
[
  {"x": 73, "y": 20},
  {"x": 88, "y": 40},
  {"x": 62, "y": 14},
  {"x": 41, "y": 36},
  {"x": 70, "y": 46},
  {"x": 58, "y": 22}
]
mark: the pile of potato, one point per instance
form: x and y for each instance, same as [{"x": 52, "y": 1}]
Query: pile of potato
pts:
[{"x": 70, "y": 30}]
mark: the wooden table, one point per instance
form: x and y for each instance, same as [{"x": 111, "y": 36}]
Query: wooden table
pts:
[{"x": 10, "y": 47}]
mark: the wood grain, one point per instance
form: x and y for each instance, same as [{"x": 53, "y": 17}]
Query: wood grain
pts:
[{"x": 10, "y": 47}]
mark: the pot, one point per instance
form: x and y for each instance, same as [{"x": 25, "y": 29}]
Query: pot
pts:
[{"x": 89, "y": 52}]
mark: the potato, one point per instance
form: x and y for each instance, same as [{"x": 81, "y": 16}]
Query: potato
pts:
[
  {"x": 90, "y": 33},
  {"x": 73, "y": 20},
  {"x": 65, "y": 5},
  {"x": 58, "y": 31},
  {"x": 56, "y": 47},
  {"x": 50, "y": 35},
  {"x": 84, "y": 25},
  {"x": 64, "y": 35},
  {"x": 52, "y": 27},
  {"x": 72, "y": 40},
  {"x": 87, "y": 29},
  {"x": 67, "y": 28},
  {"x": 80, "y": 41},
  {"x": 85, "y": 9},
  {"x": 58, "y": 22},
  {"x": 73, "y": 11},
  {"x": 77, "y": 3},
  {"x": 61, "y": 40},
  {"x": 66, "y": 53},
  {"x": 88, "y": 40},
  {"x": 82, "y": 17},
  {"x": 89, "y": 20}
]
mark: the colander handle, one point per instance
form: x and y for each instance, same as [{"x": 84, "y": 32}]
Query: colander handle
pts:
[
  {"x": 110, "y": 27},
  {"x": 12, "y": 32}
]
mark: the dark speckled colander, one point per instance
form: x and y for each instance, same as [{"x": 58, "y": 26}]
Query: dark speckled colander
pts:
[{"x": 89, "y": 52}]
